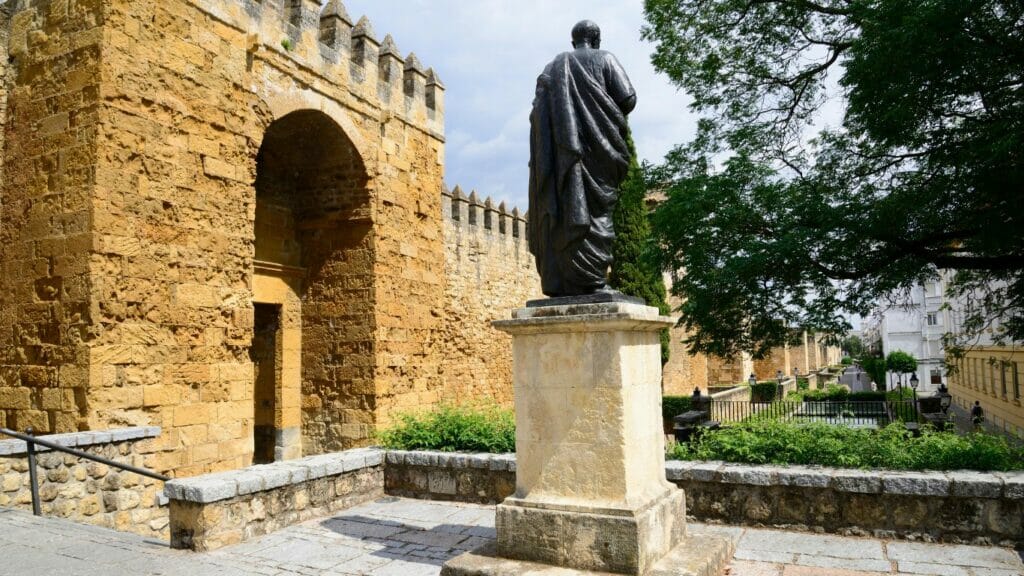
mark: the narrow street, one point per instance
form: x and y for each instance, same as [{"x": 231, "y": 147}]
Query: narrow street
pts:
[{"x": 856, "y": 378}]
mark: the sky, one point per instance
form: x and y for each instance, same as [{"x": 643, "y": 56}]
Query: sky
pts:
[{"x": 488, "y": 54}]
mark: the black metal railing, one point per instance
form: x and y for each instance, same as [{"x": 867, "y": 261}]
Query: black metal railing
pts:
[
  {"x": 30, "y": 450},
  {"x": 857, "y": 413}
]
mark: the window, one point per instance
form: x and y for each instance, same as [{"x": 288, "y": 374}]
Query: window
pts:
[
  {"x": 1016, "y": 381},
  {"x": 936, "y": 376},
  {"x": 1002, "y": 377},
  {"x": 933, "y": 319}
]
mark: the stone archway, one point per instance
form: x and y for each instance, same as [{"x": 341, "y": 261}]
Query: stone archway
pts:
[{"x": 312, "y": 288}]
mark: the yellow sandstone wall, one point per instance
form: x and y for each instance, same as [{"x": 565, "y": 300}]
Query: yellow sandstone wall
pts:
[
  {"x": 130, "y": 223},
  {"x": 490, "y": 272},
  {"x": 993, "y": 376}
]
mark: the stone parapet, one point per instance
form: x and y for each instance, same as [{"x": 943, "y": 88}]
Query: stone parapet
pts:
[
  {"x": 85, "y": 491},
  {"x": 478, "y": 478},
  {"x": 216, "y": 510},
  {"x": 960, "y": 506}
]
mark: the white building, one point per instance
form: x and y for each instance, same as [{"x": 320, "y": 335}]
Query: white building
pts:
[{"x": 915, "y": 326}]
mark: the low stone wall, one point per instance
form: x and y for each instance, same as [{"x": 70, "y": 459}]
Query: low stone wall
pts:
[
  {"x": 739, "y": 393},
  {"x": 958, "y": 506},
  {"x": 478, "y": 478},
  {"x": 85, "y": 491},
  {"x": 215, "y": 510}
]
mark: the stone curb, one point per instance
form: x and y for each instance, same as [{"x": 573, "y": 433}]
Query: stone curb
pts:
[
  {"x": 430, "y": 458},
  {"x": 960, "y": 483},
  {"x": 14, "y": 447},
  {"x": 224, "y": 485}
]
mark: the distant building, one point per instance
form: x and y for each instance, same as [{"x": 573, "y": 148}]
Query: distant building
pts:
[
  {"x": 989, "y": 373},
  {"x": 915, "y": 326}
]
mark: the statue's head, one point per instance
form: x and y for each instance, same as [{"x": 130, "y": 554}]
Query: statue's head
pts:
[{"x": 586, "y": 33}]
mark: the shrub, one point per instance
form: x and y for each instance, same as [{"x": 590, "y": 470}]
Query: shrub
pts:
[
  {"x": 846, "y": 361},
  {"x": 451, "y": 428},
  {"x": 764, "y": 391},
  {"x": 875, "y": 367},
  {"x": 672, "y": 406},
  {"x": 774, "y": 442},
  {"x": 830, "y": 392},
  {"x": 803, "y": 384},
  {"x": 867, "y": 396}
]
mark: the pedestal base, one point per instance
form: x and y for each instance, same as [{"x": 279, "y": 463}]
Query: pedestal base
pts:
[
  {"x": 587, "y": 538},
  {"x": 698, "y": 555}
]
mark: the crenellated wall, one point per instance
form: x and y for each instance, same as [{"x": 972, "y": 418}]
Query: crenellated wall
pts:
[{"x": 490, "y": 272}]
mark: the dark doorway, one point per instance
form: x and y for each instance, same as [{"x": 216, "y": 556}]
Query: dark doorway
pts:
[{"x": 266, "y": 356}]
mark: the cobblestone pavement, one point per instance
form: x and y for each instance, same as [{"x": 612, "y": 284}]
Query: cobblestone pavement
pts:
[{"x": 398, "y": 537}]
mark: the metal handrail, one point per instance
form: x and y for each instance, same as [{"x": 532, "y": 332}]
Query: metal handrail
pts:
[{"x": 30, "y": 449}]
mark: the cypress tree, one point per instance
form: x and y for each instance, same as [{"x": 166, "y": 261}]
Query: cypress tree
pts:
[{"x": 634, "y": 272}]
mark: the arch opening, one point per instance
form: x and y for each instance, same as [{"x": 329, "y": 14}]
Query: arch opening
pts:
[{"x": 312, "y": 289}]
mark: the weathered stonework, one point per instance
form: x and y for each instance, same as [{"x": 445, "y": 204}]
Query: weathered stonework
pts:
[
  {"x": 167, "y": 165},
  {"x": 85, "y": 491},
  {"x": 957, "y": 507},
  {"x": 490, "y": 271},
  {"x": 216, "y": 510}
]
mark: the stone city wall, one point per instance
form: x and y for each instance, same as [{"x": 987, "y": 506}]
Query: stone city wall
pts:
[
  {"x": 490, "y": 272},
  {"x": 85, "y": 491},
  {"x": 128, "y": 215},
  {"x": 215, "y": 510},
  {"x": 957, "y": 506}
]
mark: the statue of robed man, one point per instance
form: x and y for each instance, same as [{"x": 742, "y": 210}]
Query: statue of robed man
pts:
[{"x": 578, "y": 158}]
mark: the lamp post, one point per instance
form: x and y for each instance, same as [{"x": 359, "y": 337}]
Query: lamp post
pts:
[
  {"x": 779, "y": 377},
  {"x": 945, "y": 398},
  {"x": 913, "y": 385}
]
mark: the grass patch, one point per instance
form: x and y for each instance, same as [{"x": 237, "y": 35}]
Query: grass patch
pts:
[
  {"x": 454, "y": 428},
  {"x": 773, "y": 442}
]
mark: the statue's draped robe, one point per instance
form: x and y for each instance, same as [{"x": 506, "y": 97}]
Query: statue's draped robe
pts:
[{"x": 578, "y": 158}]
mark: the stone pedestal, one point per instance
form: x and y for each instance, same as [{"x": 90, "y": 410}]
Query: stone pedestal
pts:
[{"x": 591, "y": 492}]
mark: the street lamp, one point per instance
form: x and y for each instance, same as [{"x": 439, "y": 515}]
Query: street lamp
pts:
[
  {"x": 752, "y": 380},
  {"x": 779, "y": 376},
  {"x": 913, "y": 385},
  {"x": 945, "y": 398}
]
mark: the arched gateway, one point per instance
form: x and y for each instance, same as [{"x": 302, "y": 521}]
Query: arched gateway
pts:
[{"x": 225, "y": 222}]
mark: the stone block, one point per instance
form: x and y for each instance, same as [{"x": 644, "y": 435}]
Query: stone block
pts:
[
  {"x": 752, "y": 475},
  {"x": 858, "y": 481},
  {"x": 1013, "y": 485},
  {"x": 585, "y": 538},
  {"x": 703, "y": 472},
  {"x": 916, "y": 483},
  {"x": 972, "y": 484},
  {"x": 803, "y": 477}
]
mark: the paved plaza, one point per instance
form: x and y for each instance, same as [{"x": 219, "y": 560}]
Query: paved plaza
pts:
[{"x": 399, "y": 537}]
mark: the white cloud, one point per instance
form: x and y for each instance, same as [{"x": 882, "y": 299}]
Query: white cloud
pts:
[{"x": 489, "y": 53}]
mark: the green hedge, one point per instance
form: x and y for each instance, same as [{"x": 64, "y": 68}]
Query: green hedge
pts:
[
  {"x": 672, "y": 406},
  {"x": 764, "y": 391},
  {"x": 773, "y": 442},
  {"x": 451, "y": 428}
]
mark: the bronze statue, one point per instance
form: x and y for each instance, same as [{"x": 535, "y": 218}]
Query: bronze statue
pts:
[{"x": 578, "y": 158}]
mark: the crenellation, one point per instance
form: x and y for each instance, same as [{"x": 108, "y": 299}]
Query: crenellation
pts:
[
  {"x": 460, "y": 205},
  {"x": 474, "y": 209},
  {"x": 435, "y": 91},
  {"x": 515, "y": 222},
  {"x": 336, "y": 27},
  {"x": 365, "y": 51},
  {"x": 502, "y": 219},
  {"x": 488, "y": 214},
  {"x": 390, "y": 70}
]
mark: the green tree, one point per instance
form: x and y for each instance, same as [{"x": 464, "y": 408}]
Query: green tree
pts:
[
  {"x": 853, "y": 345},
  {"x": 899, "y": 362},
  {"x": 779, "y": 227},
  {"x": 635, "y": 271}
]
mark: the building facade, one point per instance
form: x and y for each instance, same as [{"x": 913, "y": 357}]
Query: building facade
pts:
[{"x": 915, "y": 326}]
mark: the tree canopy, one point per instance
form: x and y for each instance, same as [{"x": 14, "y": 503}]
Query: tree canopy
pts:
[
  {"x": 634, "y": 271},
  {"x": 783, "y": 221}
]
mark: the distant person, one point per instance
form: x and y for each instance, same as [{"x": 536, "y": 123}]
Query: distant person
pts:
[{"x": 977, "y": 414}]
